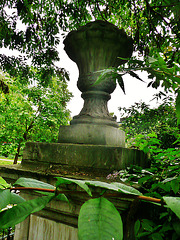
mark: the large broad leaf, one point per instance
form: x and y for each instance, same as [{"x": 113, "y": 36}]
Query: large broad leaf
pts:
[
  {"x": 80, "y": 183},
  {"x": 178, "y": 108},
  {"x": 99, "y": 220},
  {"x": 102, "y": 185},
  {"x": 29, "y": 182},
  {"x": 3, "y": 183},
  {"x": 17, "y": 214},
  {"x": 118, "y": 187},
  {"x": 126, "y": 189},
  {"x": 15, "y": 198},
  {"x": 5, "y": 196},
  {"x": 174, "y": 204}
]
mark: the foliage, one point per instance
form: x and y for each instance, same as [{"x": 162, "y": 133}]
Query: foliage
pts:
[
  {"x": 33, "y": 27},
  {"x": 157, "y": 127},
  {"x": 98, "y": 218},
  {"x": 31, "y": 113},
  {"x": 155, "y": 132},
  {"x": 105, "y": 220}
]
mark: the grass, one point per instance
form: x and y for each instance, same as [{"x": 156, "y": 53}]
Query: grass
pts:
[
  {"x": 6, "y": 158},
  {"x": 5, "y": 161}
]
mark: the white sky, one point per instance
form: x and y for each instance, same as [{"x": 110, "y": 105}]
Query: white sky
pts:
[{"x": 135, "y": 89}]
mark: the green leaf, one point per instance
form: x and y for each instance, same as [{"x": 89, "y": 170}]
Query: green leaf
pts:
[
  {"x": 174, "y": 204},
  {"x": 80, "y": 183},
  {"x": 4, "y": 198},
  {"x": 3, "y": 183},
  {"x": 133, "y": 74},
  {"x": 29, "y": 182},
  {"x": 15, "y": 198},
  {"x": 99, "y": 220},
  {"x": 169, "y": 179},
  {"x": 175, "y": 186},
  {"x": 126, "y": 189},
  {"x": 7, "y": 197},
  {"x": 62, "y": 197},
  {"x": 137, "y": 226},
  {"x": 178, "y": 108},
  {"x": 103, "y": 74},
  {"x": 143, "y": 234},
  {"x": 102, "y": 185},
  {"x": 17, "y": 214},
  {"x": 152, "y": 60},
  {"x": 118, "y": 187},
  {"x": 176, "y": 227},
  {"x": 156, "y": 236},
  {"x": 121, "y": 82},
  {"x": 147, "y": 225}
]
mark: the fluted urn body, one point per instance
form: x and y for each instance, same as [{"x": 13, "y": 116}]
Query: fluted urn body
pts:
[{"x": 94, "y": 47}]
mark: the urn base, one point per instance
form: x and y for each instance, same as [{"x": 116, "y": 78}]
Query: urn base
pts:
[{"x": 92, "y": 134}]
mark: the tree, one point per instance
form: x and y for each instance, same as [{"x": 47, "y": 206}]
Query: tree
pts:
[
  {"x": 31, "y": 113},
  {"x": 154, "y": 26},
  {"x": 140, "y": 119}
]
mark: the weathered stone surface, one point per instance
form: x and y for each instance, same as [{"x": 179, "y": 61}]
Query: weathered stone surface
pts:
[
  {"x": 97, "y": 46},
  {"x": 92, "y": 134},
  {"x": 82, "y": 155},
  {"x": 46, "y": 229}
]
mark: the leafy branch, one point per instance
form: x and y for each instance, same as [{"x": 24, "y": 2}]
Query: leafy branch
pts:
[
  {"x": 94, "y": 194},
  {"x": 104, "y": 212}
]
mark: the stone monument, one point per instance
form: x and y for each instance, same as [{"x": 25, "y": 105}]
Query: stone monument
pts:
[
  {"x": 92, "y": 140},
  {"x": 97, "y": 46}
]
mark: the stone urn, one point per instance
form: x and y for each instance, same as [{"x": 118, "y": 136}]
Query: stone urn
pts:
[{"x": 94, "y": 47}]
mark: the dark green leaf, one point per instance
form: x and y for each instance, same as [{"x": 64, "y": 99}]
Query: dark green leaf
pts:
[
  {"x": 178, "y": 108},
  {"x": 174, "y": 204},
  {"x": 137, "y": 226},
  {"x": 133, "y": 74},
  {"x": 121, "y": 82},
  {"x": 15, "y": 198},
  {"x": 175, "y": 186},
  {"x": 62, "y": 197},
  {"x": 147, "y": 225},
  {"x": 176, "y": 226},
  {"x": 99, "y": 220},
  {"x": 5, "y": 196},
  {"x": 16, "y": 214},
  {"x": 157, "y": 236}
]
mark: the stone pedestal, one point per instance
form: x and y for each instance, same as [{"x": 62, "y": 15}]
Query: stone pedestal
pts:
[{"x": 89, "y": 158}]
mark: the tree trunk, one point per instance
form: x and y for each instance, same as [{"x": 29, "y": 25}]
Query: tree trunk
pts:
[{"x": 17, "y": 154}]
